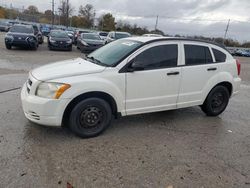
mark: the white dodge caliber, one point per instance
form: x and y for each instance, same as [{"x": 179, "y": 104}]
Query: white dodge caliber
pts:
[{"x": 131, "y": 76}]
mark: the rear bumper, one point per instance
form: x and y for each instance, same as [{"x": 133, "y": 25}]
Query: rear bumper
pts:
[{"x": 236, "y": 86}]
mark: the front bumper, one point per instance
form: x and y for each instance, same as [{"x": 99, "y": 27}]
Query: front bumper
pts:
[
  {"x": 43, "y": 111},
  {"x": 90, "y": 48},
  {"x": 20, "y": 43},
  {"x": 63, "y": 46}
]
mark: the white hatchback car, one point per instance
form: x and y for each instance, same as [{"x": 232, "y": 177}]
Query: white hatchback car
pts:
[{"x": 131, "y": 76}]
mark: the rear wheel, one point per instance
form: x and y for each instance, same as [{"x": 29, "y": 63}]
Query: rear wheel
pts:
[
  {"x": 90, "y": 117},
  {"x": 216, "y": 102}
]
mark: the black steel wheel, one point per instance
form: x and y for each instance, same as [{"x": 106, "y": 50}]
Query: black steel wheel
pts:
[
  {"x": 90, "y": 117},
  {"x": 216, "y": 101}
]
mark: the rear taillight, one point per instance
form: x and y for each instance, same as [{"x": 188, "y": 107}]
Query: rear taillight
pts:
[{"x": 238, "y": 66}]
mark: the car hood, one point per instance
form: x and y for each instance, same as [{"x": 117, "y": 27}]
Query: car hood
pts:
[
  {"x": 89, "y": 41},
  {"x": 20, "y": 34},
  {"x": 67, "y": 68},
  {"x": 60, "y": 39}
]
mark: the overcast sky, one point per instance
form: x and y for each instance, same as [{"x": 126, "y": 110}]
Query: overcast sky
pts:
[{"x": 187, "y": 17}]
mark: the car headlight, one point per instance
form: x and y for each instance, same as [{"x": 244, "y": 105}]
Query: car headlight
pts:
[
  {"x": 69, "y": 41},
  {"x": 51, "y": 90},
  {"x": 52, "y": 41},
  {"x": 84, "y": 43},
  {"x": 9, "y": 37}
]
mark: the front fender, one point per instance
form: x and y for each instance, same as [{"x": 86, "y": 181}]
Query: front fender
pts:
[{"x": 114, "y": 88}]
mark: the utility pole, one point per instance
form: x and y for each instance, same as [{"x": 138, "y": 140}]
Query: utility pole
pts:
[
  {"x": 225, "y": 36},
  {"x": 156, "y": 23},
  {"x": 53, "y": 13},
  {"x": 67, "y": 14}
]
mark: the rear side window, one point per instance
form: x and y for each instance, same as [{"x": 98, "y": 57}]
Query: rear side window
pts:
[
  {"x": 197, "y": 55},
  {"x": 159, "y": 57},
  {"x": 219, "y": 56}
]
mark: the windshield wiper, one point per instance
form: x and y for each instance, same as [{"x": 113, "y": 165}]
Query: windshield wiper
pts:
[{"x": 96, "y": 61}]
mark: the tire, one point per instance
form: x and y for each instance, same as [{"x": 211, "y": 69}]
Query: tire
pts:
[
  {"x": 8, "y": 46},
  {"x": 90, "y": 117},
  {"x": 216, "y": 101},
  {"x": 35, "y": 47},
  {"x": 70, "y": 49}
]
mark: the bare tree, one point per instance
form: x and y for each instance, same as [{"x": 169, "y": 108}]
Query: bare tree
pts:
[
  {"x": 87, "y": 13},
  {"x": 65, "y": 10}
]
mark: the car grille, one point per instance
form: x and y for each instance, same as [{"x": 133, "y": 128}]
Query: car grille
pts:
[
  {"x": 29, "y": 84},
  {"x": 60, "y": 43},
  {"x": 95, "y": 45}
]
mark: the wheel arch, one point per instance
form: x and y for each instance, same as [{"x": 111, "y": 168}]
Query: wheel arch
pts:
[
  {"x": 226, "y": 84},
  {"x": 95, "y": 94}
]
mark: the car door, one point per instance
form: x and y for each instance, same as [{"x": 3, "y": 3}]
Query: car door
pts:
[
  {"x": 198, "y": 69},
  {"x": 152, "y": 84}
]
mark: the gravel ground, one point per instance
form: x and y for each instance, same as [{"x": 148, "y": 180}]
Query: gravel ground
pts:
[{"x": 180, "y": 148}]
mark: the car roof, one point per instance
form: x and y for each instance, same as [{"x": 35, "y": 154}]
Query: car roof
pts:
[{"x": 156, "y": 39}]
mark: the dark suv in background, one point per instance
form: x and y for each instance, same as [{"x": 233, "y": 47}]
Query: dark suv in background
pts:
[{"x": 21, "y": 36}]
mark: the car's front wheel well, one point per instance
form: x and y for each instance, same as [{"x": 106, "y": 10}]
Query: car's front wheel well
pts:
[{"x": 108, "y": 98}]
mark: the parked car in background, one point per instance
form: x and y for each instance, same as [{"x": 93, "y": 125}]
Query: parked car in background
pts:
[
  {"x": 89, "y": 42},
  {"x": 59, "y": 40},
  {"x": 45, "y": 29},
  {"x": 4, "y": 26},
  {"x": 241, "y": 52},
  {"x": 103, "y": 35},
  {"x": 38, "y": 33},
  {"x": 131, "y": 76},
  {"x": 71, "y": 35},
  {"x": 152, "y": 35},
  {"x": 78, "y": 34},
  {"x": 114, "y": 35},
  {"x": 21, "y": 36}
]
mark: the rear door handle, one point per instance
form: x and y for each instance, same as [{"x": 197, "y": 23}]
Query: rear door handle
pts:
[
  {"x": 212, "y": 69},
  {"x": 173, "y": 73}
]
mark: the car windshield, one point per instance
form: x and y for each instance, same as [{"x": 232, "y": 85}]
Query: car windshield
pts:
[
  {"x": 59, "y": 34},
  {"x": 121, "y": 35},
  {"x": 114, "y": 52},
  {"x": 21, "y": 29},
  {"x": 91, "y": 36},
  {"x": 3, "y": 23}
]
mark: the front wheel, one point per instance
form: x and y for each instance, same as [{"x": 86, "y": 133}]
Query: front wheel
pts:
[
  {"x": 8, "y": 46},
  {"x": 90, "y": 117},
  {"x": 216, "y": 102}
]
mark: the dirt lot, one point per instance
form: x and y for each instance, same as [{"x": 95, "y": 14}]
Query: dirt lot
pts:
[{"x": 181, "y": 148}]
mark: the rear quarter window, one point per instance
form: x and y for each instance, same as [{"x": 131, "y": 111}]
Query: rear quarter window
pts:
[
  {"x": 220, "y": 57},
  {"x": 197, "y": 55}
]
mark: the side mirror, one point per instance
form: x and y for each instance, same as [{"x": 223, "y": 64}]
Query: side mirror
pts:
[{"x": 136, "y": 66}]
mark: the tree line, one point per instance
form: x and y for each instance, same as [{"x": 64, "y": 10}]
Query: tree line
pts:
[{"x": 86, "y": 18}]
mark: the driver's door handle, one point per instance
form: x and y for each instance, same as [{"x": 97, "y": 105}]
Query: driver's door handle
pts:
[{"x": 173, "y": 73}]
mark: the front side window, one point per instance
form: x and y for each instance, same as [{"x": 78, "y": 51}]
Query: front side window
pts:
[
  {"x": 197, "y": 55},
  {"x": 157, "y": 57},
  {"x": 219, "y": 56}
]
